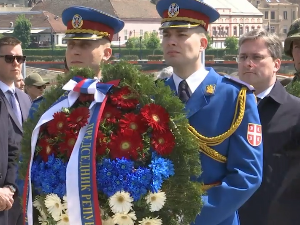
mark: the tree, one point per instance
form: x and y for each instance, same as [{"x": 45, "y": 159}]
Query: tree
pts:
[
  {"x": 231, "y": 43},
  {"x": 22, "y": 30},
  {"x": 132, "y": 42},
  {"x": 209, "y": 41},
  {"x": 153, "y": 42}
]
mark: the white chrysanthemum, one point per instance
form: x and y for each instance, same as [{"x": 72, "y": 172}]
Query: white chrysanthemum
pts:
[
  {"x": 64, "y": 220},
  {"x": 120, "y": 202},
  {"x": 156, "y": 200},
  {"x": 65, "y": 204},
  {"x": 38, "y": 204},
  {"x": 108, "y": 221},
  {"x": 150, "y": 221},
  {"x": 124, "y": 218},
  {"x": 54, "y": 206}
]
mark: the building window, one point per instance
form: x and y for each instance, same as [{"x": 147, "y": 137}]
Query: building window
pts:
[
  {"x": 161, "y": 34},
  {"x": 272, "y": 15},
  {"x": 141, "y": 33},
  {"x": 214, "y": 31},
  {"x": 285, "y": 15},
  {"x": 294, "y": 15},
  {"x": 227, "y": 31},
  {"x": 241, "y": 30},
  {"x": 272, "y": 29},
  {"x": 235, "y": 31},
  {"x": 247, "y": 29},
  {"x": 125, "y": 34},
  {"x": 284, "y": 29},
  {"x": 266, "y": 15}
]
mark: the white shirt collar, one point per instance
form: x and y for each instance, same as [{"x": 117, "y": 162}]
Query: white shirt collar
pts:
[
  {"x": 4, "y": 87},
  {"x": 265, "y": 92},
  {"x": 193, "y": 80}
]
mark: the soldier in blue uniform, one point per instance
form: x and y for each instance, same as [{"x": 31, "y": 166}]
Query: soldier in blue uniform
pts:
[
  {"x": 222, "y": 112},
  {"x": 89, "y": 35}
]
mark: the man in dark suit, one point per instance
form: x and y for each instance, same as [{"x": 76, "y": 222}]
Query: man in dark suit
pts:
[
  {"x": 258, "y": 62},
  {"x": 15, "y": 105}
]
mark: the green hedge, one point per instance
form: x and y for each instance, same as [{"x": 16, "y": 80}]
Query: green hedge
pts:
[
  {"x": 130, "y": 57},
  {"x": 155, "y": 57},
  {"x": 229, "y": 57},
  {"x": 209, "y": 57},
  {"x": 45, "y": 58},
  {"x": 44, "y": 52}
]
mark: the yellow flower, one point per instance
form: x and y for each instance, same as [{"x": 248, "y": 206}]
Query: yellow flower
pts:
[
  {"x": 120, "y": 202},
  {"x": 150, "y": 221},
  {"x": 156, "y": 200},
  {"x": 64, "y": 220},
  {"x": 54, "y": 206},
  {"x": 124, "y": 218}
]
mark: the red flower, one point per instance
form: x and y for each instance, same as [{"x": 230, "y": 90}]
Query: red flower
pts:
[
  {"x": 58, "y": 124},
  {"x": 79, "y": 117},
  {"x": 133, "y": 122},
  {"x": 111, "y": 114},
  {"x": 67, "y": 144},
  {"x": 101, "y": 143},
  {"x": 47, "y": 149},
  {"x": 163, "y": 143},
  {"x": 86, "y": 97},
  {"x": 126, "y": 144},
  {"x": 124, "y": 98},
  {"x": 156, "y": 116}
]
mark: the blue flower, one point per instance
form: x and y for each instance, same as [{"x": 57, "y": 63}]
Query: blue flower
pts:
[
  {"x": 49, "y": 177},
  {"x": 162, "y": 169}
]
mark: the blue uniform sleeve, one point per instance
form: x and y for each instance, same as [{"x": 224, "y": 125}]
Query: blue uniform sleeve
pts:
[{"x": 244, "y": 170}]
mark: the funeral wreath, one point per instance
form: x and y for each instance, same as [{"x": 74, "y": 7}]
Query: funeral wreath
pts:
[{"x": 115, "y": 151}]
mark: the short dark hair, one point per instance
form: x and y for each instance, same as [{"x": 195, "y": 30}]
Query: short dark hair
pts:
[{"x": 9, "y": 41}]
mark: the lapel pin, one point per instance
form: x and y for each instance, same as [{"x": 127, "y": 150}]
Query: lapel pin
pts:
[{"x": 210, "y": 89}]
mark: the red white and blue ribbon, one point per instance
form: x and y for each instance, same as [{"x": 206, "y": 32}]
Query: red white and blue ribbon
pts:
[{"x": 82, "y": 195}]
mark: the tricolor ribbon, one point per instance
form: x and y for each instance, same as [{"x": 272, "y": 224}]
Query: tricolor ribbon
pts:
[{"x": 81, "y": 185}]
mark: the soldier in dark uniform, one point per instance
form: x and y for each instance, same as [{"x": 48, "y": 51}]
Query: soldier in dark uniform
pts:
[{"x": 221, "y": 110}]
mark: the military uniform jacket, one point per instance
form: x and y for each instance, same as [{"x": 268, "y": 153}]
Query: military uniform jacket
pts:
[{"x": 211, "y": 113}]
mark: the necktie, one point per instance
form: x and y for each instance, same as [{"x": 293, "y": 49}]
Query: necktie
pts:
[
  {"x": 15, "y": 105},
  {"x": 184, "y": 92}
]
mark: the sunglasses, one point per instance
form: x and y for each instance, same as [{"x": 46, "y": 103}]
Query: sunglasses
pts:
[
  {"x": 12, "y": 58},
  {"x": 41, "y": 87}
]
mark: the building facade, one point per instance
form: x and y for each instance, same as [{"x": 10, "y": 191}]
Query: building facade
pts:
[
  {"x": 277, "y": 15},
  {"x": 236, "y": 18}
]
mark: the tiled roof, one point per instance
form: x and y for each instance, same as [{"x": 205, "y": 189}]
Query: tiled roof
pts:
[
  {"x": 44, "y": 19},
  {"x": 124, "y": 9},
  {"x": 135, "y": 9},
  {"x": 238, "y": 7},
  {"x": 57, "y": 6}
]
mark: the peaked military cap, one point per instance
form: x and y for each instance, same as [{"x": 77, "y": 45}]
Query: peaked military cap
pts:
[
  {"x": 294, "y": 33},
  {"x": 185, "y": 13},
  {"x": 90, "y": 24}
]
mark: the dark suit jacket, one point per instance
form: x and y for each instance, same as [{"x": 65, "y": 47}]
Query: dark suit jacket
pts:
[
  {"x": 10, "y": 138},
  {"x": 280, "y": 119}
]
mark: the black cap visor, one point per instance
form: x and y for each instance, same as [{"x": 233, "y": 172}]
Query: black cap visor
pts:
[
  {"x": 83, "y": 36},
  {"x": 178, "y": 24}
]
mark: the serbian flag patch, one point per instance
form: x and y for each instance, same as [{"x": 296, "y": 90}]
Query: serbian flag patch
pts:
[{"x": 254, "y": 135}]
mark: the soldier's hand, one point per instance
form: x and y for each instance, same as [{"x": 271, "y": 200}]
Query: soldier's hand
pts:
[{"x": 6, "y": 199}]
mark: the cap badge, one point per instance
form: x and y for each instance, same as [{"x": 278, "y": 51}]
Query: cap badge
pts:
[
  {"x": 77, "y": 21},
  {"x": 173, "y": 10}
]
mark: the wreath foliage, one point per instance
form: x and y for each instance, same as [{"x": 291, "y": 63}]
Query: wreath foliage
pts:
[{"x": 183, "y": 195}]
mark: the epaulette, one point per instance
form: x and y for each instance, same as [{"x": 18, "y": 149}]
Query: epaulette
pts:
[{"x": 238, "y": 81}]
